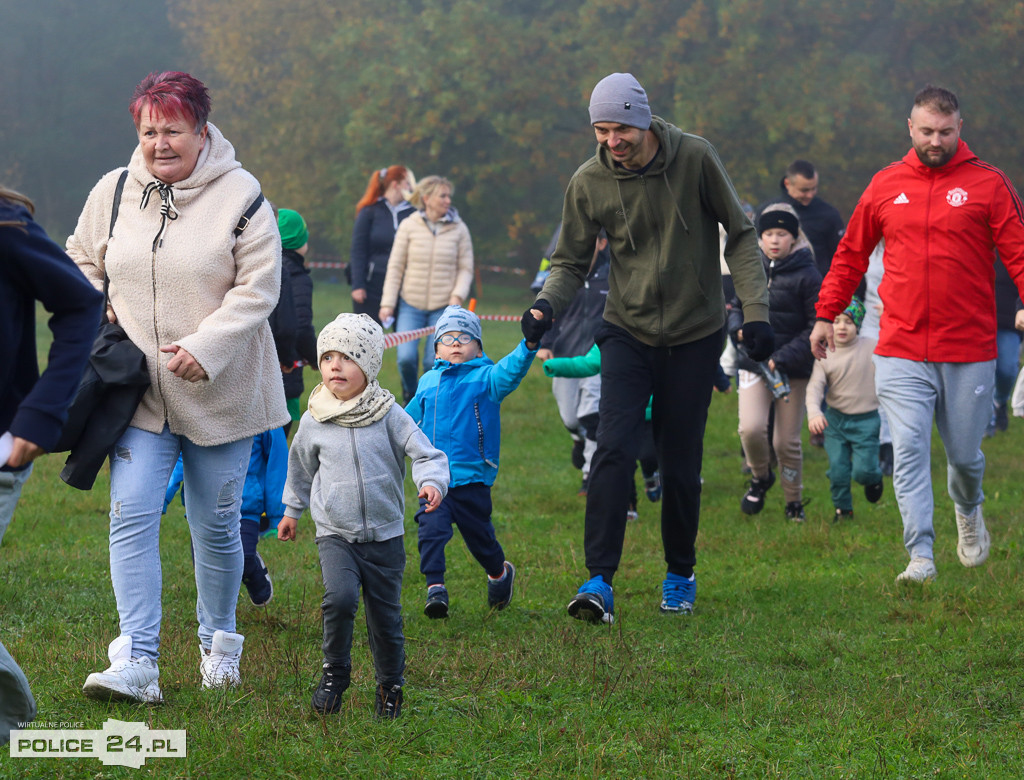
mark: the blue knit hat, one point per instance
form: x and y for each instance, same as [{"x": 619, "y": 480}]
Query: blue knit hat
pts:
[{"x": 457, "y": 319}]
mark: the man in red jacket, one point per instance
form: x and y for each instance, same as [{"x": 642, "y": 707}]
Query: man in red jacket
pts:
[{"x": 942, "y": 213}]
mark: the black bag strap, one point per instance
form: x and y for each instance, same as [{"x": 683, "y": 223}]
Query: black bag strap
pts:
[
  {"x": 113, "y": 218},
  {"x": 117, "y": 201},
  {"x": 243, "y": 223}
]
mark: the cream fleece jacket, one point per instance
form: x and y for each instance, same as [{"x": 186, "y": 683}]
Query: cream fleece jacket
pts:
[
  {"x": 427, "y": 269},
  {"x": 202, "y": 289},
  {"x": 849, "y": 376}
]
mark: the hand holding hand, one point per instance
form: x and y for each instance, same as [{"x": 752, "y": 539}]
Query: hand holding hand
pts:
[
  {"x": 537, "y": 321},
  {"x": 822, "y": 338}
]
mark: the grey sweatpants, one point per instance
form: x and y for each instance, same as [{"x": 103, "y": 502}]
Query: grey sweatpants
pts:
[{"x": 959, "y": 398}]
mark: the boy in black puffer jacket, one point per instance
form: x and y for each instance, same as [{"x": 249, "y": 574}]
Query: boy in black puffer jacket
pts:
[{"x": 793, "y": 283}]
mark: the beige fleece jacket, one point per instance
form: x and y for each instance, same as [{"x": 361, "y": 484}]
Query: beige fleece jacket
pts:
[
  {"x": 849, "y": 376},
  {"x": 427, "y": 269},
  {"x": 201, "y": 289}
]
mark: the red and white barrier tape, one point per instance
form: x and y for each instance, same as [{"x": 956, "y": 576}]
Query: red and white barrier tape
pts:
[
  {"x": 501, "y": 317},
  {"x": 497, "y": 269},
  {"x": 394, "y": 339}
]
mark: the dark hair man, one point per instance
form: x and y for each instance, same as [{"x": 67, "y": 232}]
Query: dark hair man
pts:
[
  {"x": 660, "y": 194},
  {"x": 942, "y": 213}
]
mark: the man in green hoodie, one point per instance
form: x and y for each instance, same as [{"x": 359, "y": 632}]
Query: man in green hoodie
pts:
[{"x": 660, "y": 194}]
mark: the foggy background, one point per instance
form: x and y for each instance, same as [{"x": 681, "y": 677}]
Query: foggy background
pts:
[{"x": 316, "y": 95}]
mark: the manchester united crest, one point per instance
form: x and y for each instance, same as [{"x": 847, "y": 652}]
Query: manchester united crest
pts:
[{"x": 956, "y": 197}]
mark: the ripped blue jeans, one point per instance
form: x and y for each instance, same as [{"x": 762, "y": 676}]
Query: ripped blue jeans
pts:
[{"x": 140, "y": 465}]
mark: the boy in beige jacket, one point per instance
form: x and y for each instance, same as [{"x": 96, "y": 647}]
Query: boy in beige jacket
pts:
[{"x": 850, "y": 421}]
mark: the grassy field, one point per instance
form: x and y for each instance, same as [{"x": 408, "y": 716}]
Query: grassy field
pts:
[{"x": 803, "y": 658}]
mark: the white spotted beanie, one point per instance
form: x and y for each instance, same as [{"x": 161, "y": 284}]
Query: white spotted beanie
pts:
[{"x": 359, "y": 337}]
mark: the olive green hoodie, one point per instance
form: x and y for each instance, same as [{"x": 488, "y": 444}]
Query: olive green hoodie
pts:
[{"x": 665, "y": 284}]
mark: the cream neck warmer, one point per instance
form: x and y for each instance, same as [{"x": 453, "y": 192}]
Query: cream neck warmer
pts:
[{"x": 365, "y": 409}]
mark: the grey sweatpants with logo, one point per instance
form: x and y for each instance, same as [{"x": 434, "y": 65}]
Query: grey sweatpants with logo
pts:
[{"x": 958, "y": 396}]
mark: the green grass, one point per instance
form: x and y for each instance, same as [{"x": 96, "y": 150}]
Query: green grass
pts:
[{"x": 803, "y": 658}]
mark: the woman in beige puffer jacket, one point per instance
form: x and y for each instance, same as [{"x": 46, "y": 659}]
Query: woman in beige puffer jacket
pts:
[{"x": 431, "y": 267}]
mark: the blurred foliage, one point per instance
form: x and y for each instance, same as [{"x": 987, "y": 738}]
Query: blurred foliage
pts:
[
  {"x": 316, "y": 94},
  {"x": 68, "y": 72}
]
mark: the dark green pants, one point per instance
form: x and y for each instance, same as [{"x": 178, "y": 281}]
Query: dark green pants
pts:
[{"x": 851, "y": 443}]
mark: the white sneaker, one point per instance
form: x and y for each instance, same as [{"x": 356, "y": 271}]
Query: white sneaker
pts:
[
  {"x": 220, "y": 666},
  {"x": 918, "y": 570},
  {"x": 127, "y": 678},
  {"x": 973, "y": 543}
]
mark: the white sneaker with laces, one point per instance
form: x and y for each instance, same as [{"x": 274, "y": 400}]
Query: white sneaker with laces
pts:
[
  {"x": 127, "y": 678},
  {"x": 973, "y": 543},
  {"x": 918, "y": 570},
  {"x": 220, "y": 666}
]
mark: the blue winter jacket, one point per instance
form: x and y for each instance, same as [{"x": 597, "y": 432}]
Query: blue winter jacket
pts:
[{"x": 457, "y": 406}]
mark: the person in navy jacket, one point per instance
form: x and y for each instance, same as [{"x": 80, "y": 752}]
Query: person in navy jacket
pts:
[
  {"x": 378, "y": 213},
  {"x": 33, "y": 407}
]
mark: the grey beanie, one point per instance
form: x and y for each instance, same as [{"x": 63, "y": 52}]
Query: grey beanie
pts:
[
  {"x": 620, "y": 98},
  {"x": 359, "y": 337},
  {"x": 455, "y": 318}
]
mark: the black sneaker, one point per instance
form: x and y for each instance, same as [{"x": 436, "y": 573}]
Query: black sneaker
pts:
[
  {"x": 333, "y": 682},
  {"x": 795, "y": 511},
  {"x": 388, "y": 704},
  {"x": 577, "y": 454},
  {"x": 874, "y": 492},
  {"x": 753, "y": 501},
  {"x": 256, "y": 578},
  {"x": 437, "y": 602},
  {"x": 499, "y": 592},
  {"x": 843, "y": 514}
]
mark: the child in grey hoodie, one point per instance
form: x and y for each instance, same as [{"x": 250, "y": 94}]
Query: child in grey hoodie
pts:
[{"x": 347, "y": 466}]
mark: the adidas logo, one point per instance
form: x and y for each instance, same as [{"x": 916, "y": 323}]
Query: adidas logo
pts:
[{"x": 901, "y": 198}]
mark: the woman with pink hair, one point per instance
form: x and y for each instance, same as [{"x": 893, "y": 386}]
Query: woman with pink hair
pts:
[{"x": 192, "y": 263}]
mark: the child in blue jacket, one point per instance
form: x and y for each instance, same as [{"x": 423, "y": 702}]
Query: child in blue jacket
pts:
[{"x": 457, "y": 405}]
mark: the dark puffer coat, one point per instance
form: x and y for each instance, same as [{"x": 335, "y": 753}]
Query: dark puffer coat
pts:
[{"x": 793, "y": 284}]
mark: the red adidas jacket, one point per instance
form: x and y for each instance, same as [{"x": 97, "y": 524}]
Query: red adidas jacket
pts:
[{"x": 941, "y": 227}]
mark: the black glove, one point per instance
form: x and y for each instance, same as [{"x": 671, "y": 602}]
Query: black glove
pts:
[
  {"x": 759, "y": 340},
  {"x": 534, "y": 329}
]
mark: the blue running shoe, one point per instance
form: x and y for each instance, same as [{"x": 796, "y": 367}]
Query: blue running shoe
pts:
[
  {"x": 678, "y": 594},
  {"x": 593, "y": 602},
  {"x": 437, "y": 602},
  {"x": 499, "y": 592}
]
